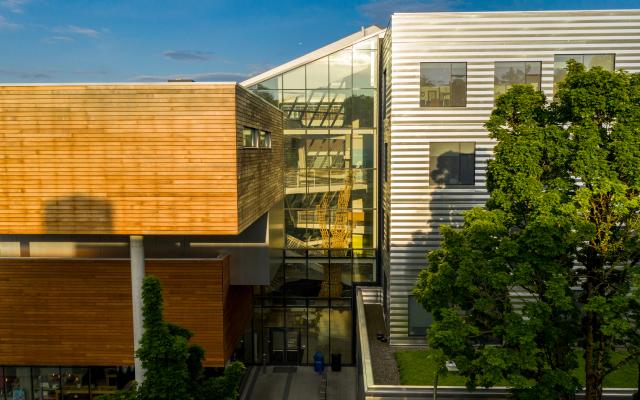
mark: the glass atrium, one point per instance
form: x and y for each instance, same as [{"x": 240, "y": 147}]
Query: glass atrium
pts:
[{"x": 329, "y": 106}]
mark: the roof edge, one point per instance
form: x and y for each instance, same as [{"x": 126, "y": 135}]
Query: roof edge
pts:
[{"x": 364, "y": 34}]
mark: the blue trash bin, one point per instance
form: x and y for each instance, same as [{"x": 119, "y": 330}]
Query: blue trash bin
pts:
[{"x": 318, "y": 362}]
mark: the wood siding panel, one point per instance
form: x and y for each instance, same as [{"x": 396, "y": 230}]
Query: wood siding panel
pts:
[
  {"x": 122, "y": 159},
  {"x": 417, "y": 210},
  {"x": 260, "y": 171},
  {"x": 78, "y": 312}
]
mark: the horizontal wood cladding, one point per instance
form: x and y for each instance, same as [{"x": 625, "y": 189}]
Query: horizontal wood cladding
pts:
[
  {"x": 78, "y": 312},
  {"x": 65, "y": 312},
  {"x": 260, "y": 171},
  {"x": 130, "y": 159}
]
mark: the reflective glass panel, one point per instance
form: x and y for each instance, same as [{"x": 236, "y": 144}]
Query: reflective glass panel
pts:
[
  {"x": 604, "y": 61},
  {"x": 364, "y": 270},
  {"x": 274, "y": 83},
  {"x": 293, "y": 107},
  {"x": 363, "y": 188},
  {"x": 364, "y": 69},
  {"x": 340, "y": 70},
  {"x": 75, "y": 383},
  {"x": 362, "y": 234},
  {"x": 296, "y": 277},
  {"x": 272, "y": 96},
  {"x": 508, "y": 74},
  {"x": 318, "y": 340},
  {"x": 452, "y": 164},
  {"x": 296, "y": 319},
  {"x": 17, "y": 382},
  {"x": 363, "y": 150},
  {"x": 341, "y": 334},
  {"x": 295, "y": 228},
  {"x": 342, "y": 277},
  {"x": 419, "y": 318},
  {"x": 46, "y": 382},
  {"x": 338, "y": 103},
  {"x": 317, "y": 113},
  {"x": 360, "y": 109},
  {"x": 443, "y": 84},
  {"x": 318, "y": 74},
  {"x": 294, "y": 79}
]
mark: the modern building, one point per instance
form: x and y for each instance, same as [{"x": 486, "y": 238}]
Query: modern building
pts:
[
  {"x": 102, "y": 183},
  {"x": 379, "y": 140}
]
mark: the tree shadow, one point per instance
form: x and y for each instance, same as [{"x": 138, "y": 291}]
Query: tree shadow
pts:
[{"x": 78, "y": 214}]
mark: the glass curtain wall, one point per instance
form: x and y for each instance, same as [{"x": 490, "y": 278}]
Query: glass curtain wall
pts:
[{"x": 329, "y": 106}]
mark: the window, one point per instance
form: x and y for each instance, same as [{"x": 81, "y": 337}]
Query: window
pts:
[
  {"x": 249, "y": 137},
  {"x": 265, "y": 139},
  {"x": 419, "y": 319},
  {"x": 605, "y": 61},
  {"x": 452, "y": 164},
  {"x": 254, "y": 138},
  {"x": 443, "y": 84},
  {"x": 508, "y": 74}
]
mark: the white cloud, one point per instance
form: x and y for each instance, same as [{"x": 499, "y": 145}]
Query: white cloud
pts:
[
  {"x": 77, "y": 30},
  {"x": 58, "y": 39},
  {"x": 16, "y": 6},
  {"x": 189, "y": 55},
  {"x": 6, "y": 24}
]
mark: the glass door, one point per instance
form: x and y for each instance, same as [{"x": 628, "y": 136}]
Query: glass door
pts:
[{"x": 284, "y": 346}]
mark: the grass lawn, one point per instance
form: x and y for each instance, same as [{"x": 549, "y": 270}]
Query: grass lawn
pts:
[{"x": 416, "y": 369}]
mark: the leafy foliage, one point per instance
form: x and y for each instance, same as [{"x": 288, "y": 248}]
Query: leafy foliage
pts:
[
  {"x": 551, "y": 263},
  {"x": 173, "y": 366}
]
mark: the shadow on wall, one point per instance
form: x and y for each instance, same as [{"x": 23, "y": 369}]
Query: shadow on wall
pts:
[{"x": 78, "y": 213}]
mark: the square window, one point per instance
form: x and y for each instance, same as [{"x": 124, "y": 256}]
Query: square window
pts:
[
  {"x": 443, "y": 84},
  {"x": 452, "y": 164},
  {"x": 606, "y": 61},
  {"x": 512, "y": 73}
]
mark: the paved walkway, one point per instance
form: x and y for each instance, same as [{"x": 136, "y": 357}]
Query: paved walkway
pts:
[{"x": 284, "y": 383}]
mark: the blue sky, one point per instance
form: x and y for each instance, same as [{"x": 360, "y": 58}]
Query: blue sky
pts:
[{"x": 208, "y": 40}]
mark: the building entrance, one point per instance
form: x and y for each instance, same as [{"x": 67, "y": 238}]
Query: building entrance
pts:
[{"x": 285, "y": 346}]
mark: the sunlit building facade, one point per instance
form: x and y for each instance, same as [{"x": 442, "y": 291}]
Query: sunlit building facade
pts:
[{"x": 329, "y": 101}]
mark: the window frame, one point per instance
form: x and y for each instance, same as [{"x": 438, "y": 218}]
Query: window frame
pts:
[
  {"x": 451, "y": 75},
  {"x": 411, "y": 327},
  {"x": 582, "y": 55},
  {"x": 525, "y": 62},
  {"x": 436, "y": 185},
  {"x": 258, "y": 137}
]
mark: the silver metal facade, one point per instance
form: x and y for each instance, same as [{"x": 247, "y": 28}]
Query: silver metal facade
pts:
[{"x": 415, "y": 209}]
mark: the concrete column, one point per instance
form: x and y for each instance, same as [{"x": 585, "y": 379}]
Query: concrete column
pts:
[{"x": 137, "y": 275}]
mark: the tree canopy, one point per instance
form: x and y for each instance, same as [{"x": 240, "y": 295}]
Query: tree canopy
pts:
[{"x": 550, "y": 265}]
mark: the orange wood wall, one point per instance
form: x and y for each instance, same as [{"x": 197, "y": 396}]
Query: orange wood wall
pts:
[
  {"x": 128, "y": 159},
  {"x": 78, "y": 312}
]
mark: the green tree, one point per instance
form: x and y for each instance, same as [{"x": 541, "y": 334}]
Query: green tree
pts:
[
  {"x": 173, "y": 366},
  {"x": 164, "y": 350},
  {"x": 551, "y": 263}
]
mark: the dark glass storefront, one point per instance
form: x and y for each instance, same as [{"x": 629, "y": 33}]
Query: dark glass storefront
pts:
[{"x": 62, "y": 383}]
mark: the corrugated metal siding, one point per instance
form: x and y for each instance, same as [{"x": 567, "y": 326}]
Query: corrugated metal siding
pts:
[{"x": 479, "y": 39}]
